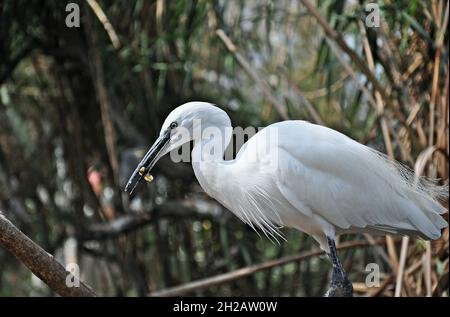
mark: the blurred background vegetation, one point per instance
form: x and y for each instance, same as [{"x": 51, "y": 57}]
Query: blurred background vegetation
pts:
[{"x": 79, "y": 106}]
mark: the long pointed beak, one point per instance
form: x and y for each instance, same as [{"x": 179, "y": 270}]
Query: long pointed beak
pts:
[{"x": 151, "y": 157}]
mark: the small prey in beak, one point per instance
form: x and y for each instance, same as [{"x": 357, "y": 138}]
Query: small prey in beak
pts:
[{"x": 142, "y": 171}]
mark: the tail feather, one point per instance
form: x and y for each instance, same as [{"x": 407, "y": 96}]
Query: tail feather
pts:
[
  {"x": 420, "y": 198},
  {"x": 431, "y": 209}
]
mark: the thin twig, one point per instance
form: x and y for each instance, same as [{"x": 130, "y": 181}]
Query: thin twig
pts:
[
  {"x": 379, "y": 101},
  {"x": 309, "y": 107},
  {"x": 427, "y": 268},
  {"x": 131, "y": 222},
  {"x": 379, "y": 290},
  {"x": 351, "y": 72},
  {"x": 385, "y": 131},
  {"x": 401, "y": 267},
  {"x": 104, "y": 101},
  {"x": 105, "y": 22},
  {"x": 281, "y": 108},
  {"x": 340, "y": 41},
  {"x": 322, "y": 92}
]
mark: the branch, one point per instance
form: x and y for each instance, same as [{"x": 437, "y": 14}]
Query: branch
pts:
[
  {"x": 105, "y": 22},
  {"x": 231, "y": 276},
  {"x": 131, "y": 222},
  {"x": 41, "y": 263},
  {"x": 98, "y": 77},
  {"x": 281, "y": 108},
  {"x": 379, "y": 101},
  {"x": 340, "y": 41},
  {"x": 309, "y": 107}
]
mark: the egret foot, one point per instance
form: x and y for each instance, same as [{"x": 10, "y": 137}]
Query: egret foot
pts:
[{"x": 340, "y": 285}]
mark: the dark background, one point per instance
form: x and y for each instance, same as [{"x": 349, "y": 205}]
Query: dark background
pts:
[{"x": 78, "y": 106}]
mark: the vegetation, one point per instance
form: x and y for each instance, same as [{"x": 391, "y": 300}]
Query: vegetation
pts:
[{"x": 78, "y": 106}]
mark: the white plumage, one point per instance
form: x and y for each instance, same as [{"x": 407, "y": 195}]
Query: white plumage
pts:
[
  {"x": 324, "y": 183},
  {"x": 308, "y": 177},
  {"x": 343, "y": 186}
]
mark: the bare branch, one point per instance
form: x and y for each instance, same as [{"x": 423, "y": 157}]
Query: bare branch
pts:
[
  {"x": 131, "y": 222},
  {"x": 340, "y": 41},
  {"x": 265, "y": 88},
  {"x": 105, "y": 22},
  {"x": 103, "y": 99},
  {"x": 41, "y": 263},
  {"x": 309, "y": 107}
]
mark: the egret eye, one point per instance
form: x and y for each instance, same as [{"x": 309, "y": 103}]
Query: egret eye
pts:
[{"x": 173, "y": 125}]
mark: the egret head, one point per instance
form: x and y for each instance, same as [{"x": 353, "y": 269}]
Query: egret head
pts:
[{"x": 183, "y": 124}]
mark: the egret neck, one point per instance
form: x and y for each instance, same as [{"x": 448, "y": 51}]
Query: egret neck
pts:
[{"x": 208, "y": 163}]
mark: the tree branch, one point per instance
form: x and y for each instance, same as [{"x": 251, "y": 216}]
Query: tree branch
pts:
[
  {"x": 131, "y": 222},
  {"x": 309, "y": 107},
  {"x": 105, "y": 22},
  {"x": 330, "y": 32},
  {"x": 265, "y": 88},
  {"x": 103, "y": 97},
  {"x": 41, "y": 263}
]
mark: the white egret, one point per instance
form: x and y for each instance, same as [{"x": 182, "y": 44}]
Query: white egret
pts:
[{"x": 309, "y": 177}]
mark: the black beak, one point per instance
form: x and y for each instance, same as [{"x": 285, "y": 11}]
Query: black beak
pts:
[{"x": 148, "y": 161}]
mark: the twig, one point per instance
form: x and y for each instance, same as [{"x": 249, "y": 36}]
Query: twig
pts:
[
  {"x": 105, "y": 22},
  {"x": 340, "y": 41},
  {"x": 130, "y": 222},
  {"x": 231, "y": 276},
  {"x": 385, "y": 131},
  {"x": 419, "y": 167},
  {"x": 418, "y": 171},
  {"x": 427, "y": 268},
  {"x": 41, "y": 263},
  {"x": 379, "y": 249},
  {"x": 309, "y": 107},
  {"x": 322, "y": 92},
  {"x": 281, "y": 108},
  {"x": 104, "y": 101},
  {"x": 382, "y": 287},
  {"x": 401, "y": 267},
  {"x": 379, "y": 100},
  {"x": 351, "y": 72},
  {"x": 441, "y": 285}
]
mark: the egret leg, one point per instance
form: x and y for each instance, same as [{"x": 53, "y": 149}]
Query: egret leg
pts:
[{"x": 340, "y": 284}]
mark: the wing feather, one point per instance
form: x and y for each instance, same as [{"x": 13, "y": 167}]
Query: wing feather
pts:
[{"x": 350, "y": 185}]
